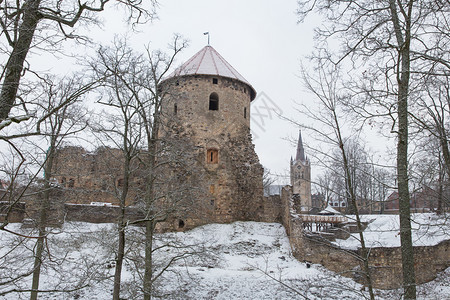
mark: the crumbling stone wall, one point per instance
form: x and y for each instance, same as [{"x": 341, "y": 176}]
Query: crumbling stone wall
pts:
[
  {"x": 12, "y": 212},
  {"x": 272, "y": 209},
  {"x": 100, "y": 214},
  {"x": 86, "y": 177},
  {"x": 385, "y": 262}
]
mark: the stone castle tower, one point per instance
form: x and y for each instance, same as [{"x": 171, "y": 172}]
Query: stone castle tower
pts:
[
  {"x": 301, "y": 177},
  {"x": 208, "y": 103}
]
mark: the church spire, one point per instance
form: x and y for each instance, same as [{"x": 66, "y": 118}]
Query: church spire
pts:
[{"x": 300, "y": 149}]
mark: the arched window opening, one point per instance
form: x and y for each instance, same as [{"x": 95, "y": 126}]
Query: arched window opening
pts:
[
  {"x": 213, "y": 101},
  {"x": 212, "y": 156},
  {"x": 180, "y": 223}
]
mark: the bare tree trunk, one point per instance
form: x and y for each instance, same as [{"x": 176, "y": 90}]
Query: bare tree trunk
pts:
[
  {"x": 43, "y": 219},
  {"x": 149, "y": 229},
  {"x": 14, "y": 66},
  {"x": 120, "y": 257},
  {"x": 39, "y": 252},
  {"x": 403, "y": 75},
  {"x": 440, "y": 194},
  {"x": 152, "y": 135},
  {"x": 354, "y": 207},
  {"x": 121, "y": 222},
  {"x": 444, "y": 145}
]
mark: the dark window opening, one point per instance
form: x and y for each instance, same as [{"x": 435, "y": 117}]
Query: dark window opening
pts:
[
  {"x": 343, "y": 204},
  {"x": 71, "y": 182},
  {"x": 180, "y": 223},
  {"x": 175, "y": 109},
  {"x": 213, "y": 102},
  {"x": 63, "y": 181},
  {"x": 120, "y": 182},
  {"x": 212, "y": 156},
  {"x": 212, "y": 202},
  {"x": 177, "y": 83},
  {"x": 215, "y": 81},
  {"x": 245, "y": 112}
]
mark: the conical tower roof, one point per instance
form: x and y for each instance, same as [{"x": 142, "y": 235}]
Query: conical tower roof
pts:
[{"x": 209, "y": 62}]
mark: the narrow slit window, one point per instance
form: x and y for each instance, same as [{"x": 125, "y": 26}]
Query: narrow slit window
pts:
[
  {"x": 120, "y": 182},
  {"x": 245, "y": 112},
  {"x": 212, "y": 156},
  {"x": 214, "y": 101},
  {"x": 175, "y": 109},
  {"x": 180, "y": 223}
]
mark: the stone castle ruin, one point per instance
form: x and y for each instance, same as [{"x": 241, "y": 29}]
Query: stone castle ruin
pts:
[
  {"x": 206, "y": 115},
  {"x": 206, "y": 109}
]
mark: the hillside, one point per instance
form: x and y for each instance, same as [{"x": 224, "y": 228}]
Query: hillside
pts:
[{"x": 243, "y": 260}]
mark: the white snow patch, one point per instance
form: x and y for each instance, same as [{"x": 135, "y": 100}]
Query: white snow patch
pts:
[
  {"x": 242, "y": 260},
  {"x": 428, "y": 229}
]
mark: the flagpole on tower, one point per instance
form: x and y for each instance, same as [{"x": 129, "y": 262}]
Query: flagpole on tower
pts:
[{"x": 207, "y": 33}]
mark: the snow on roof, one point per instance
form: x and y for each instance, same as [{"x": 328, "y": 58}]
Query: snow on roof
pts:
[
  {"x": 329, "y": 210},
  {"x": 209, "y": 62}
]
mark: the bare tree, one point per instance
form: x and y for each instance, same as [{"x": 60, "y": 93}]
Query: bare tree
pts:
[
  {"x": 394, "y": 42},
  {"x": 268, "y": 180},
  {"x": 329, "y": 127},
  {"x": 120, "y": 125},
  {"x": 65, "y": 121},
  {"x": 56, "y": 104},
  {"x": 25, "y": 21},
  {"x": 137, "y": 79}
]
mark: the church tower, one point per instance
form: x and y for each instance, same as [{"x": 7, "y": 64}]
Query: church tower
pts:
[
  {"x": 301, "y": 177},
  {"x": 208, "y": 103}
]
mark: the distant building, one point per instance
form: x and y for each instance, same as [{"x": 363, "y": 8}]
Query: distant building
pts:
[
  {"x": 301, "y": 177},
  {"x": 423, "y": 200}
]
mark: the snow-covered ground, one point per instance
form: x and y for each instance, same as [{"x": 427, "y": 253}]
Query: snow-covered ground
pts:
[
  {"x": 242, "y": 260},
  {"x": 428, "y": 229}
]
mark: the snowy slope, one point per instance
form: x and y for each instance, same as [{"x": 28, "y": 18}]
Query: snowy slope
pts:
[
  {"x": 243, "y": 260},
  {"x": 428, "y": 229}
]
